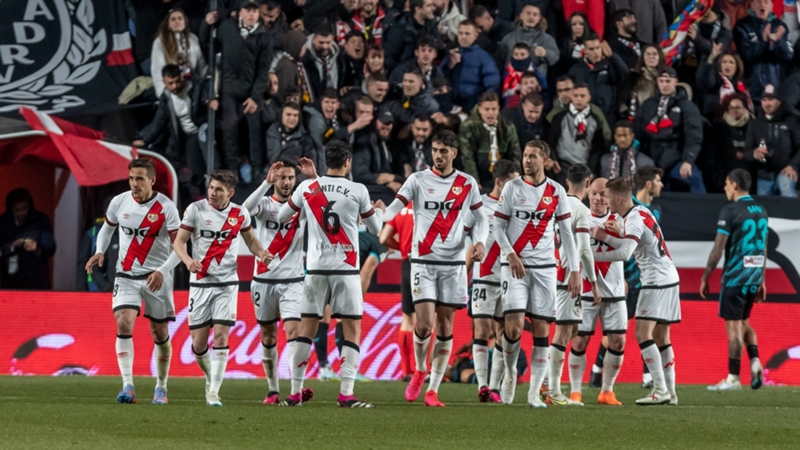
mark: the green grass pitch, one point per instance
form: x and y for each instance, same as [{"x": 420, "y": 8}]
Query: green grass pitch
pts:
[{"x": 81, "y": 413}]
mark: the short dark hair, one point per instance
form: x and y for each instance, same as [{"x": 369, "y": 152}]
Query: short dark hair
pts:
[
  {"x": 623, "y": 124},
  {"x": 291, "y": 105},
  {"x": 225, "y": 177},
  {"x": 292, "y": 92},
  {"x": 353, "y": 34},
  {"x": 272, "y": 4},
  {"x": 422, "y": 117},
  {"x": 619, "y": 185},
  {"x": 578, "y": 173},
  {"x": 741, "y": 178},
  {"x": 534, "y": 98},
  {"x": 504, "y": 168},
  {"x": 544, "y": 147},
  {"x": 171, "y": 71},
  {"x": 323, "y": 29},
  {"x": 621, "y": 14},
  {"x": 374, "y": 48},
  {"x": 413, "y": 5},
  {"x": 523, "y": 46},
  {"x": 143, "y": 163},
  {"x": 564, "y": 78},
  {"x": 446, "y": 137},
  {"x": 468, "y": 23},
  {"x": 580, "y": 85},
  {"x": 366, "y": 101},
  {"x": 645, "y": 174},
  {"x": 489, "y": 96},
  {"x": 414, "y": 71},
  {"x": 426, "y": 40},
  {"x": 477, "y": 11},
  {"x": 330, "y": 93},
  {"x": 529, "y": 74},
  {"x": 288, "y": 163},
  {"x": 591, "y": 36},
  {"x": 17, "y": 196},
  {"x": 337, "y": 153},
  {"x": 377, "y": 77}
]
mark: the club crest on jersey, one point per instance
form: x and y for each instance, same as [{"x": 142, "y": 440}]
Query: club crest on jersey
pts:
[
  {"x": 152, "y": 217},
  {"x": 431, "y": 191},
  {"x": 126, "y": 216},
  {"x": 208, "y": 222},
  {"x": 457, "y": 190},
  {"x": 232, "y": 221},
  {"x": 547, "y": 200}
]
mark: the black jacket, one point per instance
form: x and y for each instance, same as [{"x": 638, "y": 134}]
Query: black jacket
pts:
[
  {"x": 765, "y": 63},
  {"x": 33, "y": 268},
  {"x": 602, "y": 80},
  {"x": 706, "y": 38},
  {"x": 525, "y": 130},
  {"x": 297, "y": 145},
  {"x": 315, "y": 77},
  {"x": 781, "y": 134},
  {"x": 789, "y": 92},
  {"x": 627, "y": 54},
  {"x": 422, "y": 103},
  {"x": 680, "y": 142},
  {"x": 489, "y": 41},
  {"x": 396, "y": 77},
  {"x": 400, "y": 40},
  {"x": 709, "y": 82},
  {"x": 370, "y": 159},
  {"x": 728, "y": 145}
]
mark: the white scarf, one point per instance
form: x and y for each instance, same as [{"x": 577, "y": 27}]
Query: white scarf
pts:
[
  {"x": 494, "y": 152},
  {"x": 579, "y": 119},
  {"x": 419, "y": 157},
  {"x": 245, "y": 31}
]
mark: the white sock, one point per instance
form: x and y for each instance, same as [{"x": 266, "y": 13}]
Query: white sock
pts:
[
  {"x": 556, "y": 365},
  {"x": 163, "y": 357},
  {"x": 441, "y": 356},
  {"x": 348, "y": 367},
  {"x": 652, "y": 358},
  {"x": 611, "y": 366},
  {"x": 219, "y": 361},
  {"x": 538, "y": 365},
  {"x": 124, "y": 348},
  {"x": 498, "y": 367},
  {"x": 480, "y": 354},
  {"x": 510, "y": 355},
  {"x": 668, "y": 362},
  {"x": 269, "y": 359},
  {"x": 302, "y": 351},
  {"x": 421, "y": 346},
  {"x": 204, "y": 361},
  {"x": 577, "y": 366}
]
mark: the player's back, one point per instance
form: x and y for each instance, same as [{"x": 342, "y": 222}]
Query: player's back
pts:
[
  {"x": 215, "y": 240},
  {"x": 333, "y": 205},
  {"x": 651, "y": 253},
  {"x": 143, "y": 231},
  {"x": 580, "y": 223},
  {"x": 283, "y": 240},
  {"x": 747, "y": 224}
]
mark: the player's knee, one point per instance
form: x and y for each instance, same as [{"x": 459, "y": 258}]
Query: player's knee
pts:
[
  {"x": 423, "y": 328},
  {"x": 160, "y": 333},
  {"x": 579, "y": 344},
  {"x": 616, "y": 342},
  {"x": 124, "y": 325},
  {"x": 643, "y": 335}
]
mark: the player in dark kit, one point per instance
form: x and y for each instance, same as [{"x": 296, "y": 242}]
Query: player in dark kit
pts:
[{"x": 742, "y": 231}]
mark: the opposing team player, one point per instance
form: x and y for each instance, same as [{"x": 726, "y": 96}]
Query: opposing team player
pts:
[
  {"x": 527, "y": 210},
  {"x": 333, "y": 205},
  {"x": 277, "y": 289},
  {"x": 742, "y": 230},
  {"x": 486, "y": 303},
  {"x": 568, "y": 307},
  {"x": 443, "y": 198},
  {"x": 659, "y": 299},
  {"x": 611, "y": 312},
  {"x": 215, "y": 226},
  {"x": 148, "y": 223}
]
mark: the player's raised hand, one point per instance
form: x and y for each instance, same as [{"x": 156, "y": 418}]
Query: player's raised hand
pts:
[
  {"x": 478, "y": 252},
  {"x": 194, "y": 266},
  {"x": 155, "y": 281},
  {"x": 574, "y": 284},
  {"x": 307, "y": 168},
  {"x": 596, "y": 297},
  {"x": 761, "y": 293},
  {"x": 516, "y": 266},
  {"x": 703, "y": 288},
  {"x": 272, "y": 175},
  {"x": 266, "y": 258},
  {"x": 97, "y": 259}
]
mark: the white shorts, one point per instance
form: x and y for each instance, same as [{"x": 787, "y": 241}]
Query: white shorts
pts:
[
  {"x": 342, "y": 292},
  {"x": 129, "y": 293},
  {"x": 487, "y": 300},
  {"x": 439, "y": 283},
  {"x": 534, "y": 294},
  {"x": 660, "y": 304},
  {"x": 274, "y": 300},
  {"x": 212, "y": 305},
  {"x": 568, "y": 308},
  {"x": 613, "y": 317}
]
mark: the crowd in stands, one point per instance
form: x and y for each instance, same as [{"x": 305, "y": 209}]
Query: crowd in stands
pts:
[{"x": 588, "y": 76}]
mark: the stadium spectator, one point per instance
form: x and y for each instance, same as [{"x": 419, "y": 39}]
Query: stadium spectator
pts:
[
  {"x": 327, "y": 122},
  {"x": 772, "y": 142},
  {"x": 26, "y": 243},
  {"x": 487, "y": 137},
  {"x": 448, "y": 17},
  {"x": 564, "y": 86},
  {"x": 640, "y": 84},
  {"x": 321, "y": 63},
  {"x": 352, "y": 61},
  {"x": 375, "y": 88},
  {"x": 727, "y": 139},
  {"x": 418, "y": 147},
  {"x": 401, "y": 39},
  {"x": 734, "y": 10},
  {"x": 719, "y": 76},
  {"x": 528, "y": 118},
  {"x": 651, "y": 22},
  {"x": 624, "y": 42},
  {"x": 492, "y": 30},
  {"x": 602, "y": 70},
  {"x": 625, "y": 156},
  {"x": 374, "y": 62},
  {"x": 532, "y": 31},
  {"x": 702, "y": 36},
  {"x": 287, "y": 139},
  {"x": 416, "y": 100},
  {"x": 669, "y": 126},
  {"x": 571, "y": 48},
  {"x": 246, "y": 57},
  {"x": 175, "y": 44},
  {"x": 372, "y": 160},
  {"x": 761, "y": 40},
  {"x": 424, "y": 56},
  {"x": 102, "y": 278},
  {"x": 594, "y": 11},
  {"x": 510, "y": 10},
  {"x": 579, "y": 134},
  {"x": 274, "y": 19},
  {"x": 368, "y": 20},
  {"x": 289, "y": 68},
  {"x": 470, "y": 68},
  {"x": 520, "y": 77}
]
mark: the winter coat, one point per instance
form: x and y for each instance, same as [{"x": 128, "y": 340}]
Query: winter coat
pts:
[
  {"x": 474, "y": 75},
  {"x": 526, "y": 131},
  {"x": 602, "y": 79},
  {"x": 475, "y": 146},
  {"x": 651, "y": 22},
  {"x": 401, "y": 39},
  {"x": 396, "y": 77},
  {"x": 533, "y": 37},
  {"x": 600, "y": 140},
  {"x": 422, "y": 103},
  {"x": 158, "y": 60},
  {"x": 709, "y": 81},
  {"x": 315, "y": 69},
  {"x": 680, "y": 142},
  {"x": 489, "y": 41},
  {"x": 706, "y": 38},
  {"x": 781, "y": 134},
  {"x": 789, "y": 93},
  {"x": 627, "y": 54},
  {"x": 299, "y": 144},
  {"x": 449, "y": 22},
  {"x": 286, "y": 69},
  {"x": 594, "y": 10},
  {"x": 509, "y": 10},
  {"x": 33, "y": 268},
  {"x": 320, "y": 130},
  {"x": 628, "y": 87},
  {"x": 369, "y": 159},
  {"x": 728, "y": 144},
  {"x": 764, "y": 63}
]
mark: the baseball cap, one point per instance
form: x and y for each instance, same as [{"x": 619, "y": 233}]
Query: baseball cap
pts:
[
  {"x": 250, "y": 3},
  {"x": 668, "y": 72},
  {"x": 386, "y": 117},
  {"x": 770, "y": 92}
]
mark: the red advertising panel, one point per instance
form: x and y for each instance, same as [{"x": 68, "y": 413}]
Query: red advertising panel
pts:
[{"x": 55, "y": 333}]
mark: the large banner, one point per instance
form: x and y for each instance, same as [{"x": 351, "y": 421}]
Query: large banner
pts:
[
  {"x": 63, "y": 56},
  {"x": 54, "y": 333}
]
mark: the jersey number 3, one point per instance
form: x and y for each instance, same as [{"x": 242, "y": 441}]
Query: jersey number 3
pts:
[{"x": 755, "y": 235}]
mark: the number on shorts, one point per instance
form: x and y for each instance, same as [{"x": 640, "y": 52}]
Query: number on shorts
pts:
[
  {"x": 577, "y": 302},
  {"x": 416, "y": 279},
  {"x": 505, "y": 287},
  {"x": 480, "y": 294},
  {"x": 191, "y": 304},
  {"x": 257, "y": 298},
  {"x": 116, "y": 289},
  {"x": 330, "y": 220}
]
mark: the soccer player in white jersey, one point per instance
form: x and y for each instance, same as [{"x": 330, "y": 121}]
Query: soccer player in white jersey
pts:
[
  {"x": 277, "y": 289},
  {"x": 148, "y": 222},
  {"x": 568, "y": 307},
  {"x": 443, "y": 198},
  {"x": 333, "y": 205},
  {"x": 612, "y": 311},
  {"x": 486, "y": 303},
  {"x": 527, "y": 210},
  {"x": 659, "y": 299},
  {"x": 215, "y": 226}
]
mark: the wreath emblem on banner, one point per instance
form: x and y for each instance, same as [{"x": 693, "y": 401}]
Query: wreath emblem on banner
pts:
[{"x": 74, "y": 63}]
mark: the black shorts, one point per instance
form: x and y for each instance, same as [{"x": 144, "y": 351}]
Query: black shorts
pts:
[
  {"x": 405, "y": 288},
  {"x": 735, "y": 303},
  {"x": 632, "y": 300}
]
